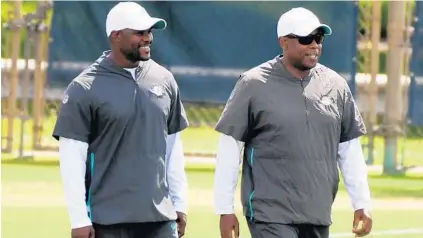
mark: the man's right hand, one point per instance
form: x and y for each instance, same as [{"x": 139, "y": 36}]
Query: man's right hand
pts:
[
  {"x": 83, "y": 232},
  {"x": 229, "y": 226}
]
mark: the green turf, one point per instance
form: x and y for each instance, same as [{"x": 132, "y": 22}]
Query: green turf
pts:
[
  {"x": 382, "y": 186},
  {"x": 42, "y": 222},
  {"x": 28, "y": 185},
  {"x": 204, "y": 139}
]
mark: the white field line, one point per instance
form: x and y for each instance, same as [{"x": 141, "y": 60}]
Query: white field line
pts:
[
  {"x": 410, "y": 231},
  {"x": 385, "y": 232}
]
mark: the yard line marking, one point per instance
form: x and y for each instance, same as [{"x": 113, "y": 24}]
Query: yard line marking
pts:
[{"x": 386, "y": 232}]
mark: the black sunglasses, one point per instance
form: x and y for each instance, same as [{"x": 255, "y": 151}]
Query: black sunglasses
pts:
[{"x": 307, "y": 40}]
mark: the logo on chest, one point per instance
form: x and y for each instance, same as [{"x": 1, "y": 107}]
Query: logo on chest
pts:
[
  {"x": 157, "y": 90},
  {"x": 159, "y": 97},
  {"x": 65, "y": 98}
]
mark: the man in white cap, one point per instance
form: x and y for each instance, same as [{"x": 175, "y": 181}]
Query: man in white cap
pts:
[
  {"x": 121, "y": 156},
  {"x": 296, "y": 122}
]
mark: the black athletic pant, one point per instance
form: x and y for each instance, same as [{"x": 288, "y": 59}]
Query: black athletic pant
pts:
[
  {"x": 137, "y": 230},
  {"x": 275, "y": 230}
]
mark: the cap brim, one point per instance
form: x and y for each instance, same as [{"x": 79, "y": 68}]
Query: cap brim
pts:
[
  {"x": 310, "y": 29},
  {"x": 326, "y": 29},
  {"x": 158, "y": 23},
  {"x": 152, "y": 23}
]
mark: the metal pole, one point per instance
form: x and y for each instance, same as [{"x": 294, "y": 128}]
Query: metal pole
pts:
[
  {"x": 408, "y": 34},
  {"x": 26, "y": 82},
  {"x": 6, "y": 74},
  {"x": 395, "y": 63},
  {"x": 14, "y": 73},
  {"x": 38, "y": 104},
  {"x": 363, "y": 65},
  {"x": 38, "y": 87},
  {"x": 374, "y": 70}
]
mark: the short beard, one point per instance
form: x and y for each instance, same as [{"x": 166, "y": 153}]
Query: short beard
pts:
[
  {"x": 133, "y": 55},
  {"x": 301, "y": 67}
]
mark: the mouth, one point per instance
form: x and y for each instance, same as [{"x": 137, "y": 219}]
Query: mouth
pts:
[
  {"x": 145, "y": 48},
  {"x": 312, "y": 55}
]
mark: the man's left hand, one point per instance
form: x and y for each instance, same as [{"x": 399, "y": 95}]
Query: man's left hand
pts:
[
  {"x": 364, "y": 217},
  {"x": 182, "y": 222}
]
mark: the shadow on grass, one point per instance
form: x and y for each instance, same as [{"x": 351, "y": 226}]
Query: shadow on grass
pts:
[
  {"x": 396, "y": 177},
  {"x": 381, "y": 186},
  {"x": 380, "y": 193},
  {"x": 30, "y": 162},
  {"x": 55, "y": 163}
]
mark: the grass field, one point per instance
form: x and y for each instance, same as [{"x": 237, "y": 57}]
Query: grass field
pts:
[
  {"x": 203, "y": 139},
  {"x": 33, "y": 202},
  {"x": 33, "y": 205}
]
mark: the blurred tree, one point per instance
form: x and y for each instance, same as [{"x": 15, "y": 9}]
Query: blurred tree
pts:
[{"x": 6, "y": 8}]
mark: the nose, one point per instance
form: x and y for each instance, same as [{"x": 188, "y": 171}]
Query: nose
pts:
[{"x": 314, "y": 44}]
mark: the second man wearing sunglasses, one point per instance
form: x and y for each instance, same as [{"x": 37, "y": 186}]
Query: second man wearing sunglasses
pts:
[{"x": 297, "y": 122}]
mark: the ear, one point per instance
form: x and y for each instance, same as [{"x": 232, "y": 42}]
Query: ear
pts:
[
  {"x": 283, "y": 42},
  {"x": 115, "y": 36}
]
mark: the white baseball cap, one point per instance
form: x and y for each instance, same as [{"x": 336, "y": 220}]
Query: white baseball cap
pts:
[
  {"x": 131, "y": 15},
  {"x": 300, "y": 22}
]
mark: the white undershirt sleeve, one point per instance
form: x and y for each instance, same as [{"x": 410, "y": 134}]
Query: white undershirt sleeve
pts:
[
  {"x": 175, "y": 172},
  {"x": 228, "y": 160},
  {"x": 354, "y": 171},
  {"x": 72, "y": 158}
]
